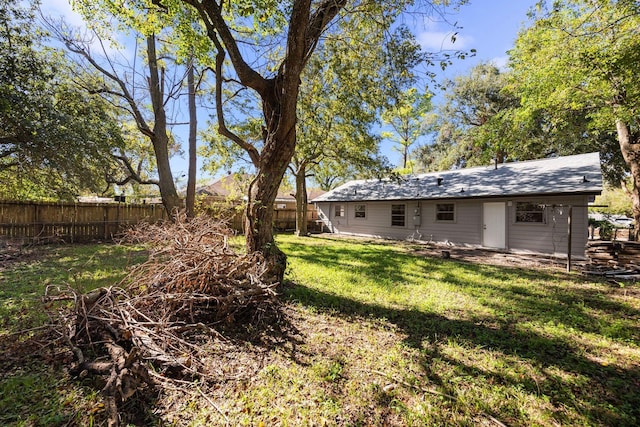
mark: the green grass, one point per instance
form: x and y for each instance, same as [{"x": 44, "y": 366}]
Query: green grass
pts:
[
  {"x": 527, "y": 347},
  {"x": 381, "y": 337},
  {"x": 35, "y": 391},
  {"x": 83, "y": 267}
]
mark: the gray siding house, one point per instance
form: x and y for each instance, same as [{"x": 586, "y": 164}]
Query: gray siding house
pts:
[{"x": 518, "y": 207}]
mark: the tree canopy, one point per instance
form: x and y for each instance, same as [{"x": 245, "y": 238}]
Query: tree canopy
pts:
[
  {"x": 579, "y": 59},
  {"x": 55, "y": 141}
]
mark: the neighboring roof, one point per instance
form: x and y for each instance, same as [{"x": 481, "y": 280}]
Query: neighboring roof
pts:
[
  {"x": 290, "y": 195},
  {"x": 579, "y": 174},
  {"x": 236, "y": 185},
  {"x": 232, "y": 184}
]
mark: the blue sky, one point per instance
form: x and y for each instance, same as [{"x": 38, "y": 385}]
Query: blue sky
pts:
[{"x": 489, "y": 26}]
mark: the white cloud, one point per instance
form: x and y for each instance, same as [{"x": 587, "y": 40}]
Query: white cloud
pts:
[{"x": 501, "y": 62}]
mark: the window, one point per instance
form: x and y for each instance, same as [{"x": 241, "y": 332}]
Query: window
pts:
[
  {"x": 397, "y": 215},
  {"x": 339, "y": 212},
  {"x": 445, "y": 212},
  {"x": 528, "y": 212},
  {"x": 361, "y": 211}
]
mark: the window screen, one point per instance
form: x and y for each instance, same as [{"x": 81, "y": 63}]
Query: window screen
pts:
[{"x": 397, "y": 215}]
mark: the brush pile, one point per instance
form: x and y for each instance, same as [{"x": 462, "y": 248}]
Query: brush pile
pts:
[{"x": 191, "y": 287}]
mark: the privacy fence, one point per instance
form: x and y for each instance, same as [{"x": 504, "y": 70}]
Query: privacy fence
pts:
[{"x": 43, "y": 222}]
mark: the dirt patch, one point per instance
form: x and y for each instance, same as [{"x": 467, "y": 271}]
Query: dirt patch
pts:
[
  {"x": 473, "y": 255},
  {"x": 12, "y": 252},
  {"x": 497, "y": 258}
]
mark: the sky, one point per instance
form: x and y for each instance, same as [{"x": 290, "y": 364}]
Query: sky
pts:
[{"x": 488, "y": 26}]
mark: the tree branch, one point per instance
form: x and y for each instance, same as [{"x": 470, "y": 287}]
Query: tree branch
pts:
[
  {"x": 254, "y": 155},
  {"x": 75, "y": 46},
  {"x": 133, "y": 175},
  {"x": 211, "y": 14}
]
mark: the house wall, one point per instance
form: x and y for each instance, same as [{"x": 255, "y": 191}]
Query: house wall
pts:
[{"x": 466, "y": 228}]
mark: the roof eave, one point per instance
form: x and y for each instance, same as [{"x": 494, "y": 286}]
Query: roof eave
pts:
[{"x": 470, "y": 197}]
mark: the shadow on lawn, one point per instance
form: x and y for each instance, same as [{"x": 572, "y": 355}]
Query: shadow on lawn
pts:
[
  {"x": 601, "y": 394},
  {"x": 608, "y": 395},
  {"x": 495, "y": 286}
]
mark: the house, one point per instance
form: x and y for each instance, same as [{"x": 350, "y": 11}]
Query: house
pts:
[{"x": 519, "y": 207}]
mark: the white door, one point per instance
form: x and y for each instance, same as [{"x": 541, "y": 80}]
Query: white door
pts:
[{"x": 494, "y": 225}]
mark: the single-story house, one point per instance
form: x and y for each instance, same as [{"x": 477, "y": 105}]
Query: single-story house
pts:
[{"x": 520, "y": 207}]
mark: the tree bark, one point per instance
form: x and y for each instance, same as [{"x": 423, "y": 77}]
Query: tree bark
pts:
[
  {"x": 301, "y": 201},
  {"x": 630, "y": 148},
  {"x": 159, "y": 137},
  {"x": 193, "y": 129},
  {"x": 262, "y": 196}
]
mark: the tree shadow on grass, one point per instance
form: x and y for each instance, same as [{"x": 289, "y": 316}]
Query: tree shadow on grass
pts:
[
  {"x": 496, "y": 287},
  {"x": 608, "y": 395}
]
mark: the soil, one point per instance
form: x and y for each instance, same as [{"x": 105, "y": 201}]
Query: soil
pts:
[{"x": 481, "y": 255}]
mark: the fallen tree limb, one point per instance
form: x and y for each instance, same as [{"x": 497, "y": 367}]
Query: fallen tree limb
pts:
[{"x": 154, "y": 322}]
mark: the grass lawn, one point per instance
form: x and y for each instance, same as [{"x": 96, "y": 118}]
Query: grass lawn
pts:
[{"x": 378, "y": 336}]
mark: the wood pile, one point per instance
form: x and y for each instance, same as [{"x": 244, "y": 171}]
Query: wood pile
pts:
[
  {"x": 618, "y": 258},
  {"x": 150, "y": 329}
]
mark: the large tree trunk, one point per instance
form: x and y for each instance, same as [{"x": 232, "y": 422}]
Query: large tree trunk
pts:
[
  {"x": 279, "y": 97},
  {"x": 301, "y": 201},
  {"x": 279, "y": 146},
  {"x": 160, "y": 138},
  {"x": 630, "y": 147},
  {"x": 258, "y": 216}
]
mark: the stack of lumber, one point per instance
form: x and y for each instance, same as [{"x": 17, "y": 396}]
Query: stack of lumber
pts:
[{"x": 621, "y": 258}]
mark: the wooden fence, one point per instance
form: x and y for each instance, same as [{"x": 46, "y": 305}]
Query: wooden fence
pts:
[
  {"x": 42, "y": 222},
  {"x": 283, "y": 219}
]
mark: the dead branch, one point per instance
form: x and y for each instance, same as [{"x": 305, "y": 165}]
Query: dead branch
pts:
[{"x": 164, "y": 310}]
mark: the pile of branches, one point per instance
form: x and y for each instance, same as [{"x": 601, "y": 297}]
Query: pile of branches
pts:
[{"x": 159, "y": 316}]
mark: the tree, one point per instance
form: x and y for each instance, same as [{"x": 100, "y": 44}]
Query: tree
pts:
[
  {"x": 262, "y": 47},
  {"x": 295, "y": 29},
  {"x": 579, "y": 56},
  {"x": 117, "y": 85},
  {"x": 344, "y": 88},
  {"x": 473, "y": 124},
  {"x": 55, "y": 142},
  {"x": 406, "y": 117},
  {"x": 193, "y": 140}
]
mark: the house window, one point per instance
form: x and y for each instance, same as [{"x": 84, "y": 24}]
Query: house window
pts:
[
  {"x": 361, "y": 211},
  {"x": 445, "y": 212},
  {"x": 528, "y": 212},
  {"x": 397, "y": 215},
  {"x": 339, "y": 212}
]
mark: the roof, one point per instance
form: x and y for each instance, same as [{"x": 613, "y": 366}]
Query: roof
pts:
[
  {"x": 290, "y": 195},
  {"x": 236, "y": 185},
  {"x": 578, "y": 174},
  {"x": 232, "y": 184}
]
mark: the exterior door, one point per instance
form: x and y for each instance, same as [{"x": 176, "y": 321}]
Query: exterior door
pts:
[{"x": 494, "y": 225}]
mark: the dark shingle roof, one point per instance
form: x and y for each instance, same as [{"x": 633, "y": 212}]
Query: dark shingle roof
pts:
[{"x": 578, "y": 174}]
